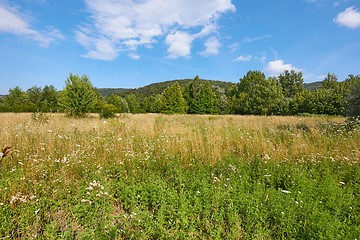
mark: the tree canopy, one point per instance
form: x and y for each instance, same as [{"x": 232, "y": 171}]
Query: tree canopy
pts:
[{"x": 286, "y": 94}]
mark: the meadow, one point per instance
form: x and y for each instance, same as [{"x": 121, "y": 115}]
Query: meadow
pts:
[{"x": 153, "y": 176}]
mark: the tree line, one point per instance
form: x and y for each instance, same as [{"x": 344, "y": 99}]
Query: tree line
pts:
[{"x": 253, "y": 94}]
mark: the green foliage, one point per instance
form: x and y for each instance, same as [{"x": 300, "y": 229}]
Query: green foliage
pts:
[
  {"x": 79, "y": 97},
  {"x": 291, "y": 82},
  {"x": 201, "y": 99},
  {"x": 173, "y": 100},
  {"x": 330, "y": 81},
  {"x": 158, "y": 88},
  {"x": 133, "y": 103},
  {"x": 354, "y": 95},
  {"x": 120, "y": 103},
  {"x": 321, "y": 101},
  {"x": 236, "y": 199},
  {"x": 108, "y": 111},
  {"x": 257, "y": 95},
  {"x": 18, "y": 101},
  {"x": 254, "y": 94},
  {"x": 49, "y": 99}
]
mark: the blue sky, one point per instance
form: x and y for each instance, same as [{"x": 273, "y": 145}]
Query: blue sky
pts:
[{"x": 132, "y": 43}]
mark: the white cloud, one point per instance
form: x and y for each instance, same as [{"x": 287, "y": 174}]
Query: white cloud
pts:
[
  {"x": 129, "y": 24},
  {"x": 179, "y": 44},
  {"x": 243, "y": 58},
  {"x": 13, "y": 22},
  {"x": 134, "y": 56},
  {"x": 277, "y": 67},
  {"x": 349, "y": 18},
  {"x": 212, "y": 47}
]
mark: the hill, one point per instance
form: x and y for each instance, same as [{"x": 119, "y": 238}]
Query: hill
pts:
[
  {"x": 108, "y": 91},
  {"x": 313, "y": 86},
  {"x": 157, "y": 88}
]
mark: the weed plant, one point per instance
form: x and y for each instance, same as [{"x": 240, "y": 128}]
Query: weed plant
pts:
[{"x": 179, "y": 177}]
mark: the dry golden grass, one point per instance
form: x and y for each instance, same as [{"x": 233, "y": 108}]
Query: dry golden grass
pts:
[{"x": 188, "y": 137}]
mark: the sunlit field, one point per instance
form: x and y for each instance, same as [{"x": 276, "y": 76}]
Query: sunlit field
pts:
[{"x": 157, "y": 176}]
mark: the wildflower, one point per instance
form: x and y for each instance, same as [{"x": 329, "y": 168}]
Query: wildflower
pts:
[
  {"x": 216, "y": 179},
  {"x": 285, "y": 191},
  {"x": 89, "y": 188},
  {"x": 86, "y": 201},
  {"x": 37, "y": 211},
  {"x": 267, "y": 157}
]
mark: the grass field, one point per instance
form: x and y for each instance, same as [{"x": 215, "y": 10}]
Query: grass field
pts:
[{"x": 179, "y": 177}]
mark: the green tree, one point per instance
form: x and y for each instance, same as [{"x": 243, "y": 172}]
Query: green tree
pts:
[
  {"x": 173, "y": 100},
  {"x": 303, "y": 103},
  {"x": 34, "y": 95},
  {"x": 353, "y": 97},
  {"x": 133, "y": 103},
  {"x": 79, "y": 96},
  {"x": 321, "y": 101},
  {"x": 120, "y": 103},
  {"x": 200, "y": 97},
  {"x": 18, "y": 101},
  {"x": 330, "y": 81},
  {"x": 291, "y": 83},
  {"x": 49, "y": 99},
  {"x": 158, "y": 104},
  {"x": 257, "y": 95},
  {"x": 206, "y": 101}
]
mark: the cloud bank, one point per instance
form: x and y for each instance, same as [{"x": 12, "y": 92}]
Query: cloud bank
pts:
[{"x": 125, "y": 25}]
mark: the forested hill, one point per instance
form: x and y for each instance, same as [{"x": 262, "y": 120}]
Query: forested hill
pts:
[
  {"x": 157, "y": 88},
  {"x": 313, "y": 86}
]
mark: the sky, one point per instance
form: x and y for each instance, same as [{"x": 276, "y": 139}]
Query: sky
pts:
[{"x": 133, "y": 43}]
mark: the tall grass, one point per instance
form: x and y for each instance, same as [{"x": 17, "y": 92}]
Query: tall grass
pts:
[{"x": 179, "y": 176}]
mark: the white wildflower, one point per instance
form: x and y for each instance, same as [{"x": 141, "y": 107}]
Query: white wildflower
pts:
[
  {"x": 86, "y": 201},
  {"x": 216, "y": 179},
  {"x": 285, "y": 191}
]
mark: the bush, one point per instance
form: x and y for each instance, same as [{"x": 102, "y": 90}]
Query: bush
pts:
[{"x": 108, "y": 111}]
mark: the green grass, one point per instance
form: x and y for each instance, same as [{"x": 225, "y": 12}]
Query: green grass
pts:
[{"x": 148, "y": 177}]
